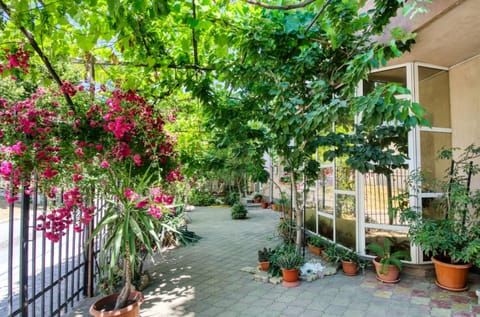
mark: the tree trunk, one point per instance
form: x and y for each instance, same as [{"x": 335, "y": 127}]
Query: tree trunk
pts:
[
  {"x": 297, "y": 212},
  {"x": 122, "y": 299}
]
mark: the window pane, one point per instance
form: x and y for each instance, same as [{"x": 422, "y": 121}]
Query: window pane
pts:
[
  {"x": 325, "y": 190},
  {"x": 434, "y": 95},
  {"x": 345, "y": 221}
]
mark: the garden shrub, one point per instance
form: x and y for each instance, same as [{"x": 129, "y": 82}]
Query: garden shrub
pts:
[
  {"x": 232, "y": 197},
  {"x": 201, "y": 198},
  {"x": 239, "y": 211}
]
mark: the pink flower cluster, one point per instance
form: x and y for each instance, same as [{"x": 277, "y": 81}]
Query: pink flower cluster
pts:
[
  {"x": 16, "y": 60},
  {"x": 126, "y": 128},
  {"x": 58, "y": 220}
]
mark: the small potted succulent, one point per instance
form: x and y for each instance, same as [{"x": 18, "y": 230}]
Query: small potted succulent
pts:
[{"x": 264, "y": 258}]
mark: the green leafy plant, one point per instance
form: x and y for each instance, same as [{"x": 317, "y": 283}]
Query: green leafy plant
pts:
[
  {"x": 331, "y": 252},
  {"x": 348, "y": 255},
  {"x": 232, "y": 198},
  {"x": 454, "y": 233},
  {"x": 318, "y": 241},
  {"x": 286, "y": 229},
  {"x": 265, "y": 254},
  {"x": 239, "y": 211},
  {"x": 274, "y": 268},
  {"x": 201, "y": 198},
  {"x": 385, "y": 255},
  {"x": 290, "y": 260},
  {"x": 257, "y": 196}
]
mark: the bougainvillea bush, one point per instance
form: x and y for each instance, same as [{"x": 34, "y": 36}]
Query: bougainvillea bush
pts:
[{"x": 111, "y": 144}]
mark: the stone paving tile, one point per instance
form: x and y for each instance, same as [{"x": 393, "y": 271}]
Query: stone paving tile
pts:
[
  {"x": 192, "y": 282},
  {"x": 440, "y": 312}
]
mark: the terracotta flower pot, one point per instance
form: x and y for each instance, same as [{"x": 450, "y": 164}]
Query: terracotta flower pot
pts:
[
  {"x": 349, "y": 268},
  {"x": 315, "y": 250},
  {"x": 264, "y": 265},
  {"x": 290, "y": 275},
  {"x": 392, "y": 274},
  {"x": 98, "y": 309},
  {"x": 452, "y": 277},
  {"x": 264, "y": 205}
]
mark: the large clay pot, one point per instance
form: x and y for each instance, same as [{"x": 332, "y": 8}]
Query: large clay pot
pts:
[
  {"x": 264, "y": 205},
  {"x": 452, "y": 277},
  {"x": 108, "y": 302},
  {"x": 349, "y": 268},
  {"x": 392, "y": 274}
]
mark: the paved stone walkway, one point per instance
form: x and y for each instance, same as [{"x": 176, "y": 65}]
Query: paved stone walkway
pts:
[{"x": 205, "y": 280}]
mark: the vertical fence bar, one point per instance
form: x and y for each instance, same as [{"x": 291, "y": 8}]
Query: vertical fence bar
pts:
[
  {"x": 25, "y": 201},
  {"x": 34, "y": 249},
  {"x": 11, "y": 235},
  {"x": 52, "y": 253},
  {"x": 44, "y": 257}
]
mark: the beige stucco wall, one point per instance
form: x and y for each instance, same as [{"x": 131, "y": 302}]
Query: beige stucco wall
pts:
[{"x": 465, "y": 104}]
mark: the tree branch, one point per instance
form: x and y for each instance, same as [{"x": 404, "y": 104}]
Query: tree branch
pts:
[
  {"x": 171, "y": 66},
  {"x": 281, "y": 7},
  {"x": 194, "y": 37},
  {"x": 40, "y": 53},
  {"x": 318, "y": 15}
]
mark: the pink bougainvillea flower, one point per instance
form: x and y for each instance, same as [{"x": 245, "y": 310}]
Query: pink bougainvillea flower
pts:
[
  {"x": 156, "y": 211},
  {"x": 105, "y": 164},
  {"x": 6, "y": 169},
  {"x": 18, "y": 148},
  {"x": 141, "y": 204},
  {"x": 49, "y": 173},
  {"x": 137, "y": 159},
  {"x": 77, "y": 178},
  {"x": 79, "y": 152}
]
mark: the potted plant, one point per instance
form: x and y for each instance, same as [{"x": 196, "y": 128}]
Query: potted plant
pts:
[
  {"x": 331, "y": 252},
  {"x": 264, "y": 204},
  {"x": 264, "y": 258},
  {"x": 290, "y": 262},
  {"x": 387, "y": 263},
  {"x": 316, "y": 244},
  {"x": 452, "y": 236},
  {"x": 350, "y": 261},
  {"x": 257, "y": 198}
]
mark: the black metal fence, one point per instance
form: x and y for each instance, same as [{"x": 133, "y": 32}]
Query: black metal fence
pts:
[
  {"x": 378, "y": 190},
  {"x": 42, "y": 278}
]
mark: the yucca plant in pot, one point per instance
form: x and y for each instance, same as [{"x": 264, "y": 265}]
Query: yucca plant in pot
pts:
[
  {"x": 452, "y": 235},
  {"x": 387, "y": 262}
]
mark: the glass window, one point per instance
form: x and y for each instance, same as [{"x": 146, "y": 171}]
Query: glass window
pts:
[
  {"x": 345, "y": 221},
  {"x": 434, "y": 95},
  {"x": 325, "y": 227}
]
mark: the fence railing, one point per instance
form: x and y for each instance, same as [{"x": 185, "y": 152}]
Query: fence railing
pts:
[{"x": 42, "y": 278}]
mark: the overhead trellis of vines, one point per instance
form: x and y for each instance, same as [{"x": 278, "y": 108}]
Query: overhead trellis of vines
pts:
[{"x": 266, "y": 73}]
